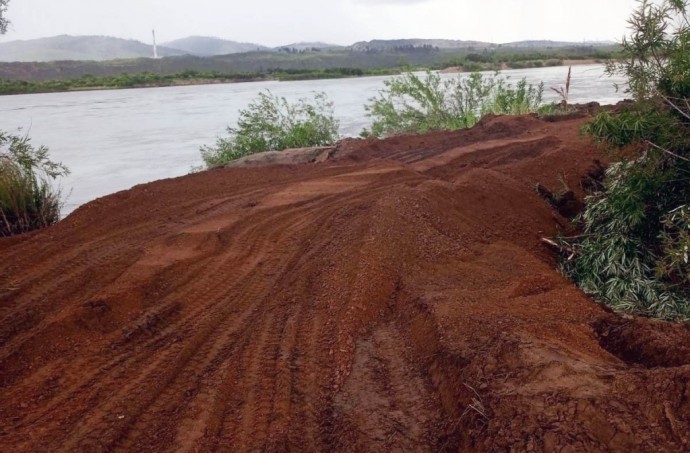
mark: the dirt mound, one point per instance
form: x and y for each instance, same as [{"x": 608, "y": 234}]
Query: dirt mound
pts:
[
  {"x": 396, "y": 297},
  {"x": 286, "y": 157}
]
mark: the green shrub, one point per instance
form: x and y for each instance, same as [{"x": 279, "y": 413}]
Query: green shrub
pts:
[
  {"x": 271, "y": 123},
  {"x": 632, "y": 125},
  {"x": 411, "y": 103},
  {"x": 27, "y": 199},
  {"x": 506, "y": 100},
  {"x": 634, "y": 251}
]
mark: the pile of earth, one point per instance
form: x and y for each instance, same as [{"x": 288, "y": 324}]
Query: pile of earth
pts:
[{"x": 394, "y": 295}]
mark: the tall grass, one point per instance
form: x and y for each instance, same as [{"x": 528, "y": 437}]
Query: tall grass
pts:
[{"x": 28, "y": 201}]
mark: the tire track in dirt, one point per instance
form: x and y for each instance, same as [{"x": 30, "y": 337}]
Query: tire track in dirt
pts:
[
  {"x": 214, "y": 284},
  {"x": 219, "y": 362},
  {"x": 88, "y": 270},
  {"x": 269, "y": 357},
  {"x": 263, "y": 360},
  {"x": 211, "y": 319}
]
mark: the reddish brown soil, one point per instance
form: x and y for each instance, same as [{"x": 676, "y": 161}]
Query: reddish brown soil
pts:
[{"x": 394, "y": 298}]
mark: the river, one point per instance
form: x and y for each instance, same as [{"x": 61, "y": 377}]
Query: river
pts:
[{"x": 113, "y": 140}]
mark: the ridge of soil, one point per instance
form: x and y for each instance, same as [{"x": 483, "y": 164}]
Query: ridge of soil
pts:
[{"x": 395, "y": 297}]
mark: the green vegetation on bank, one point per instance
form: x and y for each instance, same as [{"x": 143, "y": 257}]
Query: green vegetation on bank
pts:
[
  {"x": 475, "y": 66},
  {"x": 271, "y": 123},
  {"x": 410, "y": 103},
  {"x": 88, "y": 82},
  {"x": 18, "y": 78},
  {"x": 147, "y": 79},
  {"x": 507, "y": 58},
  {"x": 635, "y": 250},
  {"x": 28, "y": 200},
  {"x": 333, "y": 73}
]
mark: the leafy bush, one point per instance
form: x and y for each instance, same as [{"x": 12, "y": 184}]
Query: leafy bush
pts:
[
  {"x": 634, "y": 253},
  {"x": 634, "y": 250},
  {"x": 271, "y": 123},
  {"x": 506, "y": 100},
  {"x": 631, "y": 125},
  {"x": 411, "y": 103},
  {"x": 657, "y": 58},
  {"x": 27, "y": 199}
]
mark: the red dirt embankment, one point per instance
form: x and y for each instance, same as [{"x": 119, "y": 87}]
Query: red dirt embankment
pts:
[{"x": 393, "y": 298}]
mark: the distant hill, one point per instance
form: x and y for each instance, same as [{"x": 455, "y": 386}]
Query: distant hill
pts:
[
  {"x": 204, "y": 46},
  {"x": 387, "y": 44},
  {"x": 311, "y": 45},
  {"x": 103, "y": 48},
  {"x": 64, "y": 47}
]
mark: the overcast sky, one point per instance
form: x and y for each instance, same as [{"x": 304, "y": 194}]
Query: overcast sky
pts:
[{"x": 276, "y": 22}]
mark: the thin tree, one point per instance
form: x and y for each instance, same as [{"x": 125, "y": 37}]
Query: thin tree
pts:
[{"x": 3, "y": 20}]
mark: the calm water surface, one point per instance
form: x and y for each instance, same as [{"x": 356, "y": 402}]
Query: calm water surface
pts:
[{"x": 113, "y": 140}]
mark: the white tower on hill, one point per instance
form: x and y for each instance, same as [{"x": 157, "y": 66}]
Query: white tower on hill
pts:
[{"x": 155, "y": 46}]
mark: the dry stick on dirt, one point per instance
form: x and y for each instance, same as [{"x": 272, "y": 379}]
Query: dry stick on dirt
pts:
[
  {"x": 562, "y": 248},
  {"x": 477, "y": 405}
]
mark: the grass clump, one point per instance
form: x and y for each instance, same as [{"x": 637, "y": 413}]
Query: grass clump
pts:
[
  {"x": 28, "y": 201},
  {"x": 271, "y": 123},
  {"x": 413, "y": 103},
  {"x": 634, "y": 254}
]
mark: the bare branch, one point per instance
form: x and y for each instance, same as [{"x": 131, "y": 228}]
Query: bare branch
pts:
[
  {"x": 672, "y": 104},
  {"x": 561, "y": 248},
  {"x": 667, "y": 151}
]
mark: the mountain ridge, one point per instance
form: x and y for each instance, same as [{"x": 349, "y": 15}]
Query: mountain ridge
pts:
[
  {"x": 102, "y": 48},
  {"x": 210, "y": 45}
]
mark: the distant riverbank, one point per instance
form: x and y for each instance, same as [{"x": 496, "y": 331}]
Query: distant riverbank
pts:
[
  {"x": 532, "y": 64},
  {"x": 189, "y": 78}
]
